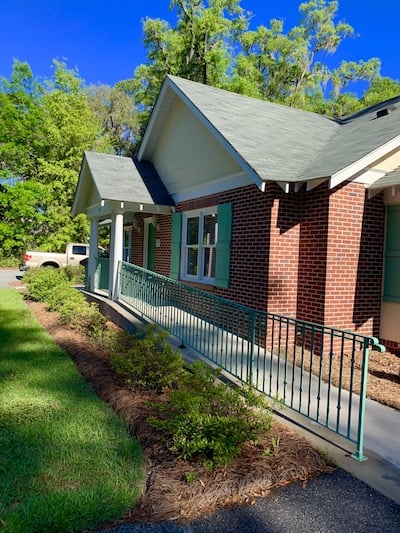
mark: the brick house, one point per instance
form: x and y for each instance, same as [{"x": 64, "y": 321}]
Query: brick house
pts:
[{"x": 273, "y": 207}]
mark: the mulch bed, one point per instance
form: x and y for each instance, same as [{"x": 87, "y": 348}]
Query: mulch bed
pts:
[{"x": 169, "y": 495}]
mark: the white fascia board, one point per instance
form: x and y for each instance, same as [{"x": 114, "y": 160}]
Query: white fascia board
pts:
[
  {"x": 155, "y": 117},
  {"x": 370, "y": 176},
  {"x": 80, "y": 187},
  {"x": 107, "y": 207},
  {"x": 225, "y": 184},
  {"x": 355, "y": 168}
]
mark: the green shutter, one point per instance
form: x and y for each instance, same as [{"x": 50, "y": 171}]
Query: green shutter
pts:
[
  {"x": 391, "y": 291},
  {"x": 223, "y": 245},
  {"x": 176, "y": 245},
  {"x": 151, "y": 247}
]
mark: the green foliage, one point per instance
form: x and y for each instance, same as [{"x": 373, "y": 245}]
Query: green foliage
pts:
[
  {"x": 22, "y": 215},
  {"x": 116, "y": 112},
  {"x": 44, "y": 130},
  {"x": 148, "y": 361},
  {"x": 55, "y": 288},
  {"x": 40, "y": 282},
  {"x": 8, "y": 261},
  {"x": 209, "y": 419}
]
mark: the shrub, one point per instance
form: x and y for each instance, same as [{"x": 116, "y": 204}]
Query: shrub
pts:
[
  {"x": 210, "y": 419},
  {"x": 75, "y": 274},
  {"x": 40, "y": 282},
  {"x": 84, "y": 317},
  {"x": 8, "y": 261},
  {"x": 148, "y": 361},
  {"x": 54, "y": 287}
]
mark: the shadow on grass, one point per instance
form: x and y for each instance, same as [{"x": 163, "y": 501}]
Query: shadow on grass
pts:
[{"x": 67, "y": 461}]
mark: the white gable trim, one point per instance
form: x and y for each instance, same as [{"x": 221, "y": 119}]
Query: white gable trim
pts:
[
  {"x": 355, "y": 168},
  {"x": 231, "y": 182}
]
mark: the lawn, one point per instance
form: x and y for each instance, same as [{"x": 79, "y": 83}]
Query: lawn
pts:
[{"x": 67, "y": 461}]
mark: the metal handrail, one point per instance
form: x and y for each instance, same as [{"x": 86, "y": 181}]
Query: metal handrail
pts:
[{"x": 315, "y": 370}]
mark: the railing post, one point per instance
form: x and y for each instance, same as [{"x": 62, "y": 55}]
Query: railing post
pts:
[
  {"x": 359, "y": 453},
  {"x": 250, "y": 363}
]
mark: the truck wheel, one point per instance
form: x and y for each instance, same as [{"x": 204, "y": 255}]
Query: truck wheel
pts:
[{"x": 49, "y": 265}]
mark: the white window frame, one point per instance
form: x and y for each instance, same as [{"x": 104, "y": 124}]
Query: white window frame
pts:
[{"x": 198, "y": 213}]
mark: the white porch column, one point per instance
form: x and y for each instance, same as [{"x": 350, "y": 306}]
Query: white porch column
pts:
[
  {"x": 93, "y": 245},
  {"x": 117, "y": 229}
]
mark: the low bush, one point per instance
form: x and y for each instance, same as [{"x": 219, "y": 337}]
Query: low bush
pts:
[
  {"x": 8, "y": 261},
  {"x": 40, "y": 282},
  {"x": 55, "y": 288},
  {"x": 209, "y": 419},
  {"x": 75, "y": 274},
  {"x": 148, "y": 361}
]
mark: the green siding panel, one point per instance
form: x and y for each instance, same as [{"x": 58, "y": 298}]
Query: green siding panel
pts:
[
  {"x": 391, "y": 291},
  {"x": 223, "y": 245},
  {"x": 176, "y": 245}
]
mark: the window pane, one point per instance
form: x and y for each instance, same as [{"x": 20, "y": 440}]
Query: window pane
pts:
[
  {"x": 209, "y": 262},
  {"x": 210, "y": 229},
  {"x": 192, "y": 258},
  {"x": 192, "y": 231}
]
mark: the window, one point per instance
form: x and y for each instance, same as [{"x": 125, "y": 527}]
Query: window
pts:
[
  {"x": 200, "y": 235},
  {"x": 391, "y": 291},
  {"x": 201, "y": 245},
  {"x": 78, "y": 249}
]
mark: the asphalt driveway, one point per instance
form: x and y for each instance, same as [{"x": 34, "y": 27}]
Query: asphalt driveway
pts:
[
  {"x": 331, "y": 503},
  {"x": 8, "y": 275}
]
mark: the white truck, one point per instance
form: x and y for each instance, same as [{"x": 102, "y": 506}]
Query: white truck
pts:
[{"x": 74, "y": 254}]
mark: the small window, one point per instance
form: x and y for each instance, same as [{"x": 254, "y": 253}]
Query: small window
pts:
[
  {"x": 200, "y": 235},
  {"x": 78, "y": 249}
]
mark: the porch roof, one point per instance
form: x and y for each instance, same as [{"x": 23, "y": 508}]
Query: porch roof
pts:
[
  {"x": 106, "y": 177},
  {"x": 391, "y": 179}
]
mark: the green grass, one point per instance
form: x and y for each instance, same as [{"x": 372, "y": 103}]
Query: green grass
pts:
[{"x": 67, "y": 462}]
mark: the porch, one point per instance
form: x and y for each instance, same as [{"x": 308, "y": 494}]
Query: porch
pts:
[{"x": 317, "y": 372}]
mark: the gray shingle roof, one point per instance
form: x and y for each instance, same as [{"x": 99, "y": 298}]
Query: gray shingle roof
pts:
[
  {"x": 122, "y": 178},
  {"x": 286, "y": 144},
  {"x": 389, "y": 180}
]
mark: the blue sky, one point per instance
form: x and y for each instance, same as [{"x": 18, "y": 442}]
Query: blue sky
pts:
[{"x": 103, "y": 39}]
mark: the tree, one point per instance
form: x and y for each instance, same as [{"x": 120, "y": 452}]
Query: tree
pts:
[
  {"x": 116, "y": 112},
  {"x": 212, "y": 43},
  {"x": 70, "y": 127},
  {"x": 21, "y": 123},
  {"x": 44, "y": 130},
  {"x": 200, "y": 48},
  {"x": 23, "y": 215},
  {"x": 288, "y": 67}
]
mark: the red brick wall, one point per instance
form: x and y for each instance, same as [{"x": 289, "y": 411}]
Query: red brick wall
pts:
[
  {"x": 354, "y": 260},
  {"x": 317, "y": 255}
]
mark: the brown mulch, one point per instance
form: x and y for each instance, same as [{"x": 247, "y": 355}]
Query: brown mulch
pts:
[
  {"x": 383, "y": 384},
  {"x": 169, "y": 495}
]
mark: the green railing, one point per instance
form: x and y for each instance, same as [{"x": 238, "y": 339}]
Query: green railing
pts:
[{"x": 318, "y": 371}]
